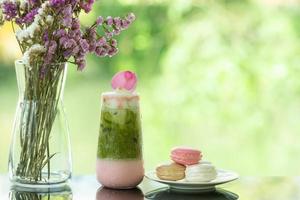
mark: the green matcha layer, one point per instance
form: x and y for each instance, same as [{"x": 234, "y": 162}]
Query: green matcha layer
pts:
[{"x": 120, "y": 134}]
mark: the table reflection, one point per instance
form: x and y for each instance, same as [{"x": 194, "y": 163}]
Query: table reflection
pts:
[
  {"x": 20, "y": 194},
  {"x": 167, "y": 194},
  {"x": 109, "y": 194}
]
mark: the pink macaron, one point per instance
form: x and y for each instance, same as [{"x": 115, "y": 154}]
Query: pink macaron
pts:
[{"x": 186, "y": 155}]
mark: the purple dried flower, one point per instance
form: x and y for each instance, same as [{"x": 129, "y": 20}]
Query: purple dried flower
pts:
[
  {"x": 92, "y": 38},
  {"x": 101, "y": 52},
  {"x": 84, "y": 45},
  {"x": 80, "y": 56},
  {"x": 75, "y": 50},
  {"x": 67, "y": 53},
  {"x": 117, "y": 22},
  {"x": 70, "y": 43},
  {"x": 109, "y": 21},
  {"x": 101, "y": 41},
  {"x": 57, "y": 3},
  {"x": 130, "y": 17},
  {"x": 75, "y": 23},
  {"x": 67, "y": 11},
  {"x": 87, "y": 5},
  {"x": 99, "y": 20},
  {"x": 32, "y": 3},
  {"x": 29, "y": 17},
  {"x": 43, "y": 71},
  {"x": 60, "y": 33},
  {"x": 19, "y": 21},
  {"x": 63, "y": 40},
  {"x": 73, "y": 2},
  {"x": 67, "y": 22},
  {"x": 106, "y": 47},
  {"x": 80, "y": 64},
  {"x": 46, "y": 36},
  {"x": 124, "y": 23},
  {"x": 52, "y": 47},
  {"x": 9, "y": 10},
  {"x": 92, "y": 46},
  {"x": 67, "y": 16},
  {"x": 109, "y": 34},
  {"x": 112, "y": 51},
  {"x": 75, "y": 34},
  {"x": 92, "y": 33},
  {"x": 116, "y": 31},
  {"x": 48, "y": 58},
  {"x": 114, "y": 43}
]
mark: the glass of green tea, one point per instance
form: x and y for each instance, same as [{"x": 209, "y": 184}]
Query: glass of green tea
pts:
[{"x": 120, "y": 158}]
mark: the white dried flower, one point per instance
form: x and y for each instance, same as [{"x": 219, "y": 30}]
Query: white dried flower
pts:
[
  {"x": 22, "y": 35},
  {"x": 23, "y": 5},
  {"x": 44, "y": 5},
  {"x": 26, "y": 58},
  {"x": 35, "y": 49},
  {"x": 49, "y": 19},
  {"x": 34, "y": 27}
]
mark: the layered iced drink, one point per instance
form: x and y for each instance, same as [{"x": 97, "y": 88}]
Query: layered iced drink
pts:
[{"x": 120, "y": 160}]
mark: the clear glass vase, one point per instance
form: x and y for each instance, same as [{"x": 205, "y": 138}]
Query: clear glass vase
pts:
[{"x": 40, "y": 155}]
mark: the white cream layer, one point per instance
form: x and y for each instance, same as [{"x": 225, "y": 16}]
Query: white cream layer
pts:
[{"x": 120, "y": 100}]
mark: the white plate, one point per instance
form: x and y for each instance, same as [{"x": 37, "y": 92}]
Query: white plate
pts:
[{"x": 224, "y": 176}]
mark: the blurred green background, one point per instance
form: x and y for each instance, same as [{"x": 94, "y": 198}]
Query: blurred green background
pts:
[{"x": 221, "y": 76}]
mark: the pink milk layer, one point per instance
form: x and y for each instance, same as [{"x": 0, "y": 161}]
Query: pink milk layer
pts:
[{"x": 120, "y": 174}]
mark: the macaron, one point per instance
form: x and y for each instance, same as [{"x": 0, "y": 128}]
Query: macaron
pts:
[
  {"x": 201, "y": 172},
  {"x": 186, "y": 155},
  {"x": 171, "y": 172}
]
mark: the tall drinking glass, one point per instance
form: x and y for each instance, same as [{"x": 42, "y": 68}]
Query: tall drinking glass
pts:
[{"x": 120, "y": 160}]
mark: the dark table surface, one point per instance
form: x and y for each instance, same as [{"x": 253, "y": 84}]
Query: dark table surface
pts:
[{"x": 87, "y": 188}]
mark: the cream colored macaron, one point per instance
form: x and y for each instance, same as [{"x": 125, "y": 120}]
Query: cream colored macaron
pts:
[
  {"x": 202, "y": 172},
  {"x": 171, "y": 172}
]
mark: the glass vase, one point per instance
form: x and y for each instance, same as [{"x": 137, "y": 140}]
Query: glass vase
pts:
[{"x": 40, "y": 155}]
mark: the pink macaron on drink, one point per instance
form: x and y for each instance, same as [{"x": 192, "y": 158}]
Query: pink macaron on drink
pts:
[{"x": 120, "y": 160}]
